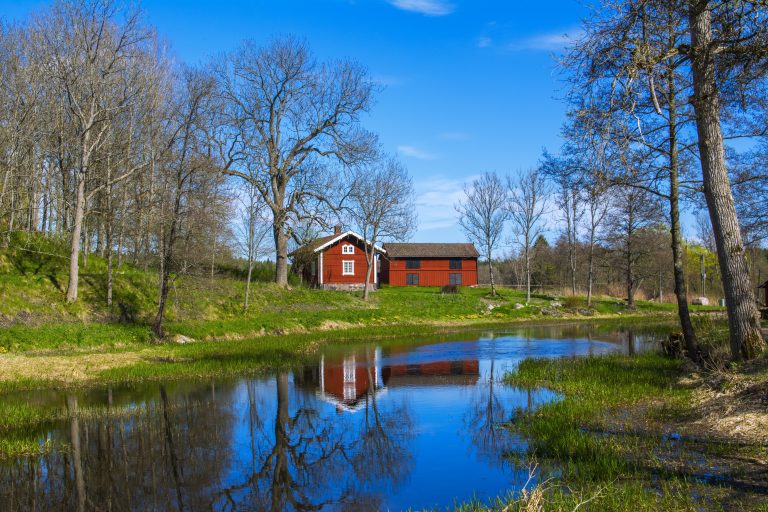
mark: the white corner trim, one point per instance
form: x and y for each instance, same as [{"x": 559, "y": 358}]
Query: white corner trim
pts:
[
  {"x": 320, "y": 269},
  {"x": 342, "y": 236}
]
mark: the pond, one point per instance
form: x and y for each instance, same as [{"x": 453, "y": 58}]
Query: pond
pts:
[{"x": 372, "y": 426}]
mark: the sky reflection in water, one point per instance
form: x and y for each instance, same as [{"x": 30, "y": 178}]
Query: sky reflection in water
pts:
[{"x": 365, "y": 428}]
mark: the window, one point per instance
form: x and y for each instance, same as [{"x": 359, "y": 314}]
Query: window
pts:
[
  {"x": 412, "y": 279},
  {"x": 412, "y": 263},
  {"x": 454, "y": 279},
  {"x": 348, "y": 268},
  {"x": 454, "y": 264},
  {"x": 347, "y": 249}
]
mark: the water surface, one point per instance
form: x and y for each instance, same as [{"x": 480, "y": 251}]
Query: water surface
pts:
[{"x": 366, "y": 427}]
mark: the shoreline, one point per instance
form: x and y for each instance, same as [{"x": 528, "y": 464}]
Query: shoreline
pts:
[{"x": 41, "y": 368}]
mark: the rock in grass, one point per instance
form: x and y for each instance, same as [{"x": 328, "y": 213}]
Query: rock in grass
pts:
[{"x": 182, "y": 340}]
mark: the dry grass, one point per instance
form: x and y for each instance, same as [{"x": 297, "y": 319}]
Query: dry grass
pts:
[
  {"x": 67, "y": 369},
  {"x": 733, "y": 404}
]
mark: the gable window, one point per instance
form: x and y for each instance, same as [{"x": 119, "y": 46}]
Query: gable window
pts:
[
  {"x": 454, "y": 279},
  {"x": 412, "y": 279},
  {"x": 347, "y": 249},
  {"x": 348, "y": 268},
  {"x": 412, "y": 263},
  {"x": 454, "y": 264}
]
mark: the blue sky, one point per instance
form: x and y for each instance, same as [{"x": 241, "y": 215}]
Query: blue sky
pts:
[{"x": 468, "y": 85}]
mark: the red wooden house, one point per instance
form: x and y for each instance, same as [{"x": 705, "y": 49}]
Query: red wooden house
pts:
[
  {"x": 336, "y": 261},
  {"x": 432, "y": 264}
]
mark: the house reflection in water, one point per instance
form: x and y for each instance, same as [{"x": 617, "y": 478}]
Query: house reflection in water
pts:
[{"x": 348, "y": 381}]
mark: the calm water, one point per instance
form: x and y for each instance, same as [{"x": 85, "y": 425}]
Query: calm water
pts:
[{"x": 369, "y": 427}]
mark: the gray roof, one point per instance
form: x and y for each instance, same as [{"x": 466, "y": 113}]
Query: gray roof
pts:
[{"x": 407, "y": 250}]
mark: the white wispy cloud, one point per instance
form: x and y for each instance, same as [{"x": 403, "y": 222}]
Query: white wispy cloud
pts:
[
  {"x": 483, "y": 42},
  {"x": 417, "y": 153},
  {"x": 425, "y": 7},
  {"x": 455, "y": 136},
  {"x": 435, "y": 200},
  {"x": 552, "y": 41}
]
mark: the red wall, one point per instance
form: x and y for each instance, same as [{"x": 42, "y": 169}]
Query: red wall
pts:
[
  {"x": 433, "y": 272},
  {"x": 333, "y": 379},
  {"x": 332, "y": 266}
]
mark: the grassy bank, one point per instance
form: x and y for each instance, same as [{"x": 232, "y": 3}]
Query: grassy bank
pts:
[
  {"x": 46, "y": 342},
  {"x": 631, "y": 434},
  {"x": 34, "y": 315}
]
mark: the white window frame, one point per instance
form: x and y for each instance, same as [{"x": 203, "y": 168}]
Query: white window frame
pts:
[
  {"x": 347, "y": 249},
  {"x": 344, "y": 267}
]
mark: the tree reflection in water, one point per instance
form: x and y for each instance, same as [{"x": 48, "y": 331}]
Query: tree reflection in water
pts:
[
  {"x": 486, "y": 418},
  {"x": 322, "y": 439},
  {"x": 307, "y": 460},
  {"x": 177, "y": 450}
]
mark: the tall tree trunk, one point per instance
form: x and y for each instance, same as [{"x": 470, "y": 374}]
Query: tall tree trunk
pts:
[
  {"x": 12, "y": 220},
  {"x": 166, "y": 259},
  {"x": 630, "y": 275},
  {"x": 572, "y": 238},
  {"x": 745, "y": 337},
  {"x": 108, "y": 232},
  {"x": 121, "y": 233},
  {"x": 490, "y": 271},
  {"x": 369, "y": 259},
  {"x": 248, "y": 283},
  {"x": 77, "y": 227},
  {"x": 591, "y": 271},
  {"x": 689, "y": 334},
  {"x": 281, "y": 254},
  {"x": 527, "y": 271}
]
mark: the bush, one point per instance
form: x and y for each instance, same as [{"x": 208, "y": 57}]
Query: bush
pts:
[
  {"x": 450, "y": 288},
  {"x": 574, "y": 302}
]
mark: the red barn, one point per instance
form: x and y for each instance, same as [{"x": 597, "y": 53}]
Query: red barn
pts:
[
  {"x": 429, "y": 264},
  {"x": 336, "y": 261}
]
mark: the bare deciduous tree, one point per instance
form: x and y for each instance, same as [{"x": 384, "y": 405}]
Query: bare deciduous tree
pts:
[
  {"x": 89, "y": 53},
  {"x": 630, "y": 222},
  {"x": 734, "y": 38},
  {"x": 186, "y": 160},
  {"x": 381, "y": 207},
  {"x": 527, "y": 202},
  {"x": 482, "y": 214},
  {"x": 255, "y": 227},
  {"x": 595, "y": 197},
  {"x": 291, "y": 121}
]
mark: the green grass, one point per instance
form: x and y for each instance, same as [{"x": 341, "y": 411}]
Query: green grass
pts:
[{"x": 604, "y": 437}]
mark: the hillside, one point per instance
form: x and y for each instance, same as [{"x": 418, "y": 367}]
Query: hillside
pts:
[{"x": 34, "y": 314}]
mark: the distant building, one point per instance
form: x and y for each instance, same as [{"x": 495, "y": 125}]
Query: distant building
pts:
[
  {"x": 336, "y": 261},
  {"x": 764, "y": 286},
  {"x": 435, "y": 264}
]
